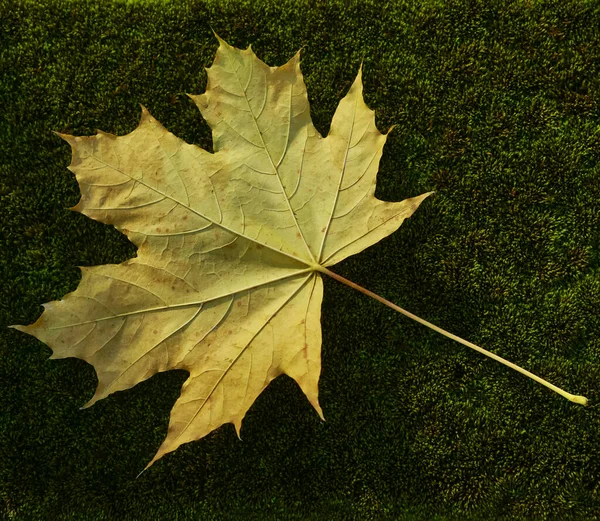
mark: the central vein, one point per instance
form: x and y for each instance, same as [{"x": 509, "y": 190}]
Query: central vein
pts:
[{"x": 273, "y": 165}]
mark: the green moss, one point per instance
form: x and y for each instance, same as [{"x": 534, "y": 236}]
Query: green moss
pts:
[{"x": 496, "y": 107}]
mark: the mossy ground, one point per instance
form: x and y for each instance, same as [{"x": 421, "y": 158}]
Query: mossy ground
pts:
[{"x": 497, "y": 110}]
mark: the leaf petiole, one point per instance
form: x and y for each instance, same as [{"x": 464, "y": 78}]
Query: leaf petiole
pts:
[{"x": 572, "y": 397}]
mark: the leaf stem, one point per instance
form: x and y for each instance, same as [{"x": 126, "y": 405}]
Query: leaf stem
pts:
[{"x": 572, "y": 397}]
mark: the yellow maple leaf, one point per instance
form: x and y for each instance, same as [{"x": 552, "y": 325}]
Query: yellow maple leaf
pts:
[{"x": 231, "y": 246}]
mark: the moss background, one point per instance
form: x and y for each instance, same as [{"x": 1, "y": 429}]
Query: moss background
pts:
[{"x": 497, "y": 109}]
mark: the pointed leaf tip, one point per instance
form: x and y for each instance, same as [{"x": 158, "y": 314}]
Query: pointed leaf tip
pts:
[
  {"x": 145, "y": 112},
  {"x": 156, "y": 457},
  {"x": 302, "y": 48},
  {"x": 358, "y": 79},
  {"x": 221, "y": 41},
  {"x": 238, "y": 428},
  {"x": 66, "y": 137},
  {"x": 88, "y": 404},
  {"x": 143, "y": 470}
]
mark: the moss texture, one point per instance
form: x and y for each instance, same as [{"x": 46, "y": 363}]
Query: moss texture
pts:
[{"x": 497, "y": 109}]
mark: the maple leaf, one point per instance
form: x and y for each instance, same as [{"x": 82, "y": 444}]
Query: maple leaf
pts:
[{"x": 232, "y": 245}]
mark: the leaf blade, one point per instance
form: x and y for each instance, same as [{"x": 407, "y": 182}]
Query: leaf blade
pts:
[{"x": 226, "y": 278}]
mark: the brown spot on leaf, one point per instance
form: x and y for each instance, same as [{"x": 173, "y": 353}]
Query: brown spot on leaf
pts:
[{"x": 184, "y": 218}]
